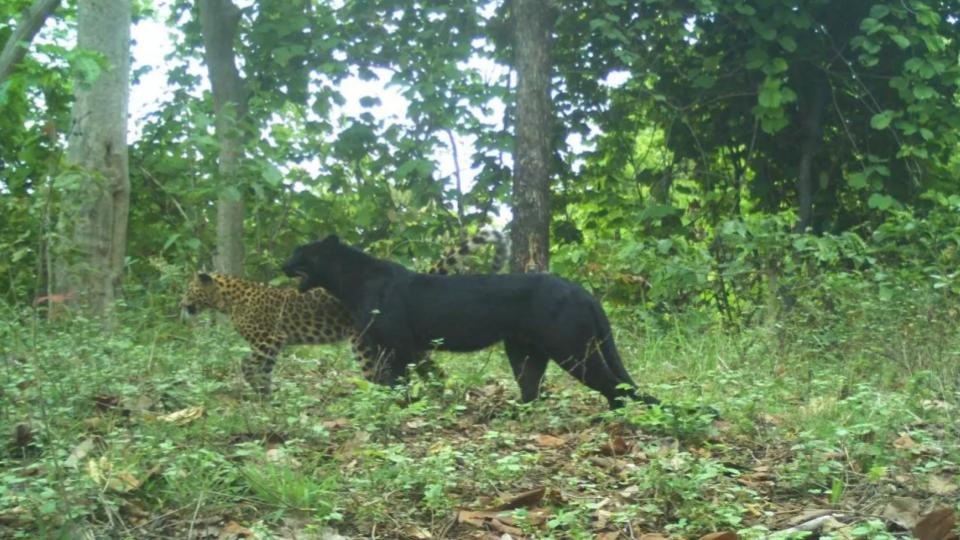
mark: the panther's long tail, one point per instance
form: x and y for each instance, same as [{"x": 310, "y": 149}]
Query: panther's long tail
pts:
[{"x": 611, "y": 355}]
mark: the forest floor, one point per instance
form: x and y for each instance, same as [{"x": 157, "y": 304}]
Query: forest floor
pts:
[{"x": 149, "y": 431}]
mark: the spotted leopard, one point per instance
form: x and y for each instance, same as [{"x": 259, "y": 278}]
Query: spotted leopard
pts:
[{"x": 269, "y": 317}]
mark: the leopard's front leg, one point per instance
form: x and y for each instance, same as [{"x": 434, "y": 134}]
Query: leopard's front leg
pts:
[
  {"x": 378, "y": 364},
  {"x": 258, "y": 367}
]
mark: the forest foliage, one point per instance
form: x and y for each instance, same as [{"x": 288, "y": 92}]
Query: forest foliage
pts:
[
  {"x": 678, "y": 126},
  {"x": 764, "y": 194}
]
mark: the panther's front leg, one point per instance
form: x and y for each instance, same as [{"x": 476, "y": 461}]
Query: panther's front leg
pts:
[{"x": 258, "y": 367}]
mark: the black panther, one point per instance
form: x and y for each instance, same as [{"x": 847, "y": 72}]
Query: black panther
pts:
[{"x": 403, "y": 314}]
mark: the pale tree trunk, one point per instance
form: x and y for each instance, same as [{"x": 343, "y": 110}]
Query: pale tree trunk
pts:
[
  {"x": 530, "y": 231},
  {"x": 92, "y": 228},
  {"x": 220, "y": 19},
  {"x": 27, "y": 27}
]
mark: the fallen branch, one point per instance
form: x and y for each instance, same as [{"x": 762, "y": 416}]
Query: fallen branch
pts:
[{"x": 812, "y": 525}]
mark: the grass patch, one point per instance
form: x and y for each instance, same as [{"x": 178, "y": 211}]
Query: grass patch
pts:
[{"x": 93, "y": 444}]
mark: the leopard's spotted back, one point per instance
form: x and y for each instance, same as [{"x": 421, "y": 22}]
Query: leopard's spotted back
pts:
[
  {"x": 453, "y": 259},
  {"x": 270, "y": 315}
]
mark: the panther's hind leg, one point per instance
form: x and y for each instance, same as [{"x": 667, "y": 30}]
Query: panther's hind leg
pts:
[{"x": 528, "y": 364}]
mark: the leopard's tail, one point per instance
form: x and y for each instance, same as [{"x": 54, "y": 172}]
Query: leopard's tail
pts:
[{"x": 452, "y": 261}]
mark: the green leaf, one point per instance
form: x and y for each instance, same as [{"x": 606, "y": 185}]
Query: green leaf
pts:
[
  {"x": 857, "y": 180},
  {"x": 880, "y": 201},
  {"x": 879, "y": 11},
  {"x": 769, "y": 97},
  {"x": 870, "y": 25},
  {"x": 788, "y": 43},
  {"x": 913, "y": 64},
  {"x": 923, "y": 92},
  {"x": 776, "y": 65},
  {"x": 703, "y": 81},
  {"x": 745, "y": 9},
  {"x": 901, "y": 40},
  {"x": 756, "y": 58},
  {"x": 881, "y": 120},
  {"x": 272, "y": 175},
  {"x": 772, "y": 123},
  {"x": 926, "y": 134},
  {"x": 868, "y": 60},
  {"x": 173, "y": 238},
  {"x": 908, "y": 128}
]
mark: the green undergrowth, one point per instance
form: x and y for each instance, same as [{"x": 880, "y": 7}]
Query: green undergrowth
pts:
[{"x": 148, "y": 431}]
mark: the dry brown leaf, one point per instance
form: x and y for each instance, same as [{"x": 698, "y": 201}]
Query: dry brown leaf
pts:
[
  {"x": 233, "y": 531},
  {"x": 616, "y": 446},
  {"x": 105, "y": 402},
  {"x": 772, "y": 419},
  {"x": 904, "y": 511},
  {"x": 653, "y": 536},
  {"x": 725, "y": 535},
  {"x": 484, "y": 519},
  {"x": 17, "y": 514},
  {"x": 549, "y": 441},
  {"x": 937, "y": 525},
  {"x": 607, "y": 536},
  {"x": 183, "y": 416},
  {"x": 79, "y": 452},
  {"x": 102, "y": 474},
  {"x": 279, "y": 456},
  {"x": 524, "y": 499},
  {"x": 601, "y": 518},
  {"x": 535, "y": 516},
  {"x": 935, "y": 404},
  {"x": 904, "y": 442},
  {"x": 941, "y": 485},
  {"x": 417, "y": 532},
  {"x": 415, "y": 424},
  {"x": 837, "y": 528}
]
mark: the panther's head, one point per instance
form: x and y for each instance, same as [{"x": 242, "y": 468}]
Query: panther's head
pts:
[
  {"x": 314, "y": 263},
  {"x": 201, "y": 294}
]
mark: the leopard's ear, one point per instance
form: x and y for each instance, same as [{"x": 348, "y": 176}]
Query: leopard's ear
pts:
[
  {"x": 205, "y": 278},
  {"x": 332, "y": 239}
]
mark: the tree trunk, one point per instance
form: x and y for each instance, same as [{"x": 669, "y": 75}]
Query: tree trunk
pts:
[
  {"x": 220, "y": 19},
  {"x": 96, "y": 194},
  {"x": 18, "y": 42},
  {"x": 811, "y": 131},
  {"x": 530, "y": 231}
]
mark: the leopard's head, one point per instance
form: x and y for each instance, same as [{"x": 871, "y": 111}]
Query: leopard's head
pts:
[{"x": 202, "y": 293}]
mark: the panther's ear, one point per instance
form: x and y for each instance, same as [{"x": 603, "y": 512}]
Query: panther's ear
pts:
[
  {"x": 332, "y": 240},
  {"x": 205, "y": 278}
]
